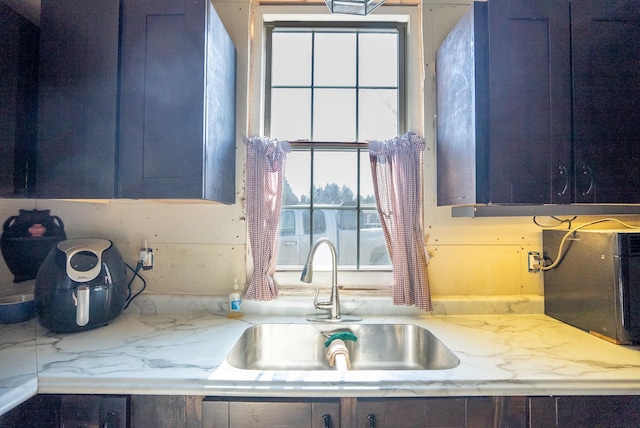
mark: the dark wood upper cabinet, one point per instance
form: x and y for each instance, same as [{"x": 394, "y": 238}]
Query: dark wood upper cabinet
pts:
[
  {"x": 137, "y": 100},
  {"x": 503, "y": 105},
  {"x": 536, "y": 103},
  {"x": 529, "y": 149},
  {"x": 19, "y": 39},
  {"x": 605, "y": 45},
  {"x": 177, "y": 105},
  {"x": 78, "y": 87}
]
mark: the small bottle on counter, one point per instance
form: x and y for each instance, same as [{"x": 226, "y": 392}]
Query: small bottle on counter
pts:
[{"x": 235, "y": 301}]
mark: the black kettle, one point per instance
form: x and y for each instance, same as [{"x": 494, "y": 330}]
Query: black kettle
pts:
[{"x": 27, "y": 239}]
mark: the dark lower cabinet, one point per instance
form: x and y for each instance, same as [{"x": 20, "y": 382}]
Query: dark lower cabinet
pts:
[
  {"x": 177, "y": 411},
  {"x": 542, "y": 412},
  {"x": 411, "y": 412},
  {"x": 471, "y": 412},
  {"x": 282, "y": 413},
  {"x": 61, "y": 411},
  {"x": 584, "y": 411},
  {"x": 41, "y": 411},
  {"x": 171, "y": 411}
]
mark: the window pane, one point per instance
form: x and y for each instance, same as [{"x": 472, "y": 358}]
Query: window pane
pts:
[
  {"x": 290, "y": 114},
  {"x": 287, "y": 223},
  {"x": 367, "y": 195},
  {"x": 288, "y": 69},
  {"x": 297, "y": 180},
  {"x": 294, "y": 247},
  {"x": 347, "y": 247},
  {"x": 334, "y": 115},
  {"x": 319, "y": 222},
  {"x": 322, "y": 259},
  {"x": 378, "y": 60},
  {"x": 378, "y": 114},
  {"x": 335, "y": 178},
  {"x": 335, "y": 59},
  {"x": 373, "y": 247}
]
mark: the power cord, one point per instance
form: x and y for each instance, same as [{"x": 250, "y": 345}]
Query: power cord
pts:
[
  {"x": 135, "y": 274},
  {"x": 572, "y": 232},
  {"x": 559, "y": 220}
]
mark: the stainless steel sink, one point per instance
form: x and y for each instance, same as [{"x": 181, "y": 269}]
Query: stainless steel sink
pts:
[{"x": 379, "y": 347}]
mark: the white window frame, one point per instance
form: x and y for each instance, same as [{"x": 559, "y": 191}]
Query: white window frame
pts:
[{"x": 361, "y": 281}]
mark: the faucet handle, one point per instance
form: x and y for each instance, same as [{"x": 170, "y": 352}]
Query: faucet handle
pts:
[{"x": 325, "y": 305}]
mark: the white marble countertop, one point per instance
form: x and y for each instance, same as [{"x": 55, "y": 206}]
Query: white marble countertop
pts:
[
  {"x": 149, "y": 350},
  {"x": 182, "y": 354},
  {"x": 18, "y": 377}
]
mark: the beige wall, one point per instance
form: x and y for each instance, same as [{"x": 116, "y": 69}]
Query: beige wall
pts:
[{"x": 200, "y": 248}]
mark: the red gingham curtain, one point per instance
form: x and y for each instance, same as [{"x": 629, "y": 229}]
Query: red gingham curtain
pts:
[
  {"x": 396, "y": 167},
  {"x": 265, "y": 175}
]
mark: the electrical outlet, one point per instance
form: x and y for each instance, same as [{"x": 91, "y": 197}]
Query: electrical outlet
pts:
[
  {"x": 534, "y": 261},
  {"x": 146, "y": 256}
]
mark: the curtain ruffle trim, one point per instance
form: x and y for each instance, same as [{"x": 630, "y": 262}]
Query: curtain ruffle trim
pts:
[{"x": 408, "y": 141}]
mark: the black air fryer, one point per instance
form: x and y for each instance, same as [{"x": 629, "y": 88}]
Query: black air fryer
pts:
[{"x": 81, "y": 285}]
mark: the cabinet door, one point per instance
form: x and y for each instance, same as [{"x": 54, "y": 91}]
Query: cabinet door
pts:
[
  {"x": 496, "y": 412},
  {"x": 18, "y": 109},
  {"x": 281, "y": 413},
  {"x": 504, "y": 105},
  {"x": 529, "y": 151},
  {"x": 584, "y": 411},
  {"x": 54, "y": 411},
  {"x": 153, "y": 411},
  {"x": 42, "y": 411},
  {"x": 542, "y": 412},
  {"x": 411, "y": 412},
  {"x": 606, "y": 54},
  {"x": 165, "y": 130},
  {"x": 76, "y": 144},
  {"x": 606, "y": 411},
  {"x": 94, "y": 410}
]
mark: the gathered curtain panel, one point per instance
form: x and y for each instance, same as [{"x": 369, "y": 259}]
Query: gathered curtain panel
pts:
[
  {"x": 265, "y": 176},
  {"x": 396, "y": 167}
]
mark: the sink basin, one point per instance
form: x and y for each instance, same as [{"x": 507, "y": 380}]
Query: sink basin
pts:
[{"x": 379, "y": 347}]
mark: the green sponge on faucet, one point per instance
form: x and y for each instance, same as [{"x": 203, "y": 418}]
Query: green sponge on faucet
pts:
[{"x": 342, "y": 335}]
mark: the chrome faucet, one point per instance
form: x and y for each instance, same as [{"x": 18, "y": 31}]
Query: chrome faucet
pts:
[{"x": 333, "y": 304}]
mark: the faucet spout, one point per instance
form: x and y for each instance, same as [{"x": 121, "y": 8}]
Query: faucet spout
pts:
[{"x": 333, "y": 304}]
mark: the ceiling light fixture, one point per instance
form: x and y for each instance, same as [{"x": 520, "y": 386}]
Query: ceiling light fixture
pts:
[{"x": 353, "y": 7}]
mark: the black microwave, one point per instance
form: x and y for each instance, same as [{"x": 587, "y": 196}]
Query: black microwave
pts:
[{"x": 596, "y": 285}]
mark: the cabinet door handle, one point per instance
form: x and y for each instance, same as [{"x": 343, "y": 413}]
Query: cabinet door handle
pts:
[
  {"x": 111, "y": 420},
  {"x": 26, "y": 177},
  {"x": 327, "y": 420},
  {"x": 372, "y": 420},
  {"x": 563, "y": 172},
  {"x": 587, "y": 171}
]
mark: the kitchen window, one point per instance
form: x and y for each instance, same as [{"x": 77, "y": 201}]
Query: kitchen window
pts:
[{"x": 330, "y": 87}]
